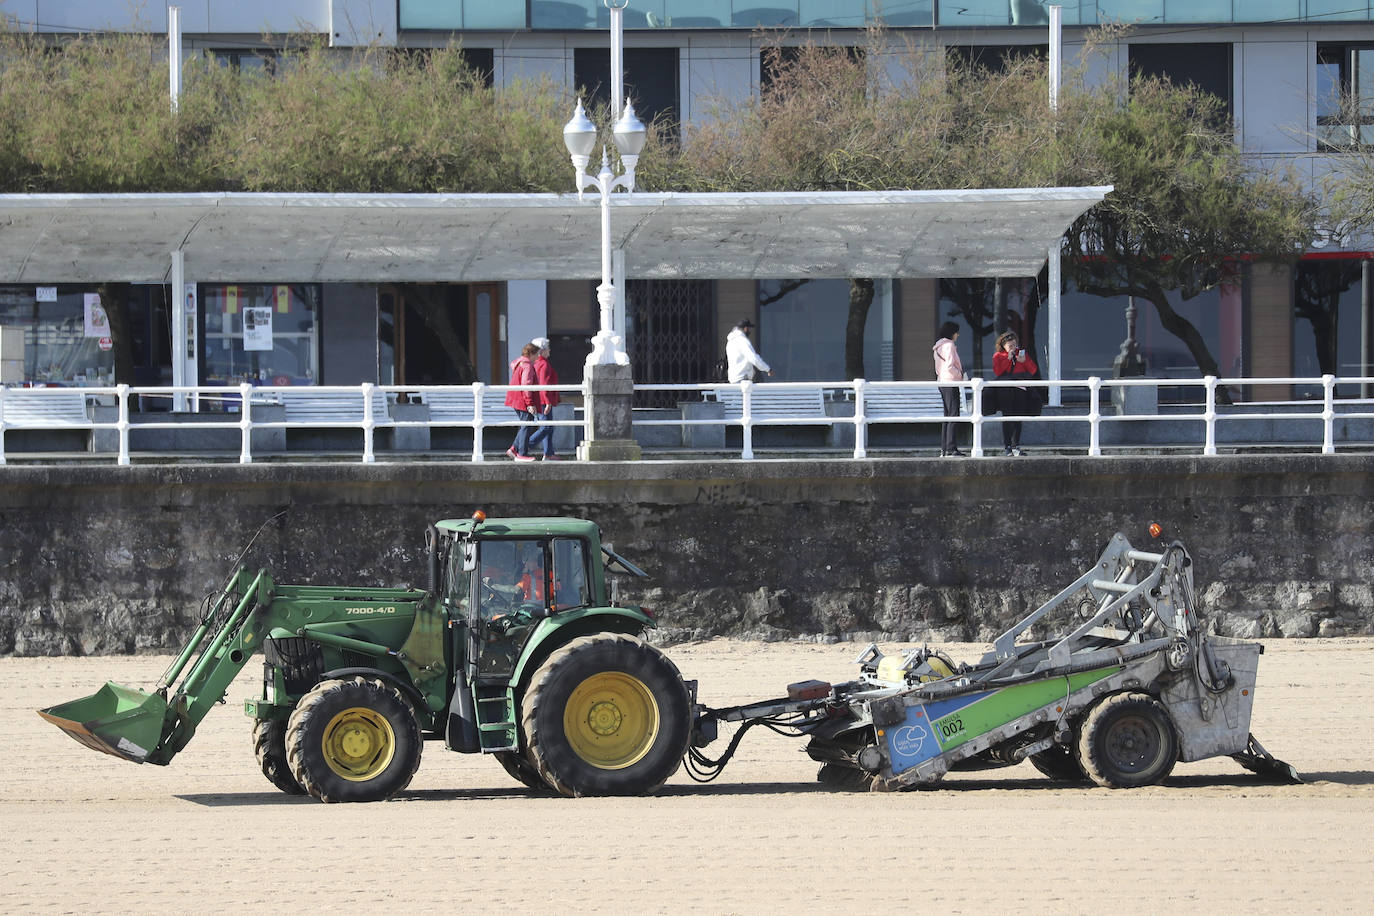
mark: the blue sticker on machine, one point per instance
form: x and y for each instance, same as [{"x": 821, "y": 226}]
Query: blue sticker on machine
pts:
[{"x": 913, "y": 742}]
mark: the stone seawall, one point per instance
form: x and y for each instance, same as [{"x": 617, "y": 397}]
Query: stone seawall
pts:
[{"x": 101, "y": 559}]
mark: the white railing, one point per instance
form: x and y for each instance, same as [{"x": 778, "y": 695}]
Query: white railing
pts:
[{"x": 853, "y": 408}]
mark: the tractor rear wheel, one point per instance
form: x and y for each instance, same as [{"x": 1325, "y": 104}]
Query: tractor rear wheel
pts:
[
  {"x": 353, "y": 739},
  {"x": 1059, "y": 763},
  {"x": 606, "y": 715},
  {"x": 269, "y": 746},
  {"x": 1127, "y": 740},
  {"x": 519, "y": 767}
]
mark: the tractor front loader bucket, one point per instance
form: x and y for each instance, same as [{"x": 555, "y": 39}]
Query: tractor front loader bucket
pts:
[{"x": 120, "y": 721}]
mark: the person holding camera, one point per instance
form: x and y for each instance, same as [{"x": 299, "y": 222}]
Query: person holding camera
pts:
[{"x": 1010, "y": 363}]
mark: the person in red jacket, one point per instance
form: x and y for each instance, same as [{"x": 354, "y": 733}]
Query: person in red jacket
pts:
[
  {"x": 544, "y": 374},
  {"x": 524, "y": 403},
  {"x": 1011, "y": 363}
]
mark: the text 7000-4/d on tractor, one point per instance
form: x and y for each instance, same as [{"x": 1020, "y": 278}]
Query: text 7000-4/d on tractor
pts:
[{"x": 515, "y": 650}]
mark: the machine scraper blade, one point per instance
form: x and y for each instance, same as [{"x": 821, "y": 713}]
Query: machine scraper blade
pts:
[{"x": 1257, "y": 760}]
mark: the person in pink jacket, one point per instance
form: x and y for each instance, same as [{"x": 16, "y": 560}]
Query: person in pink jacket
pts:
[
  {"x": 544, "y": 374},
  {"x": 948, "y": 368},
  {"x": 524, "y": 403}
]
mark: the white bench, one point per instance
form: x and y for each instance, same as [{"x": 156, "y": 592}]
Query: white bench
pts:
[
  {"x": 895, "y": 403},
  {"x": 44, "y": 408},
  {"x": 455, "y": 406},
  {"x": 311, "y": 408},
  {"x": 770, "y": 404}
]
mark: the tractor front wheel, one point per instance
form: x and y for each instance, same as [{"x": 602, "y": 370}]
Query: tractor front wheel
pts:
[
  {"x": 1058, "y": 763},
  {"x": 269, "y": 746},
  {"x": 606, "y": 715},
  {"x": 1127, "y": 740},
  {"x": 352, "y": 740}
]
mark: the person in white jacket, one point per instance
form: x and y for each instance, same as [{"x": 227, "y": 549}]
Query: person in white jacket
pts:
[
  {"x": 743, "y": 360},
  {"x": 948, "y": 368}
]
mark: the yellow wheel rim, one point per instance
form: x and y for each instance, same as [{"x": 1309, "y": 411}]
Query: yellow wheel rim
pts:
[
  {"x": 611, "y": 720},
  {"x": 358, "y": 744}
]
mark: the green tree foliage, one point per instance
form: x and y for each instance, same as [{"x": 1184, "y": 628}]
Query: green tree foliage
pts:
[{"x": 93, "y": 114}]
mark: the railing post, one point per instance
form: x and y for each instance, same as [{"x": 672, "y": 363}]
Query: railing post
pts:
[
  {"x": 1328, "y": 414},
  {"x": 369, "y": 425},
  {"x": 246, "y": 423},
  {"x": 976, "y": 418},
  {"x": 746, "y": 388},
  {"x": 1209, "y": 415},
  {"x": 477, "y": 389},
  {"x": 860, "y": 420},
  {"x": 1094, "y": 416},
  {"x": 122, "y": 399}
]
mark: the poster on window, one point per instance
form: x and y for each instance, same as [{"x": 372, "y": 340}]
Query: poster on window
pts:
[
  {"x": 97, "y": 323},
  {"x": 257, "y": 328}
]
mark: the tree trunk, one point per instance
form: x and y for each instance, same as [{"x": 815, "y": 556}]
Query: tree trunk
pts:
[
  {"x": 114, "y": 298},
  {"x": 860, "y": 300},
  {"x": 1184, "y": 330}
]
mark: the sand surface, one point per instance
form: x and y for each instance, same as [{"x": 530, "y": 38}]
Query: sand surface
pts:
[{"x": 81, "y": 832}]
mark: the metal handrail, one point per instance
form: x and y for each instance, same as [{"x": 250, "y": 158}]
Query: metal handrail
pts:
[{"x": 241, "y": 403}]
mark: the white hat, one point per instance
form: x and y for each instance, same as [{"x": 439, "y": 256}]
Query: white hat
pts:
[{"x": 541, "y": 342}]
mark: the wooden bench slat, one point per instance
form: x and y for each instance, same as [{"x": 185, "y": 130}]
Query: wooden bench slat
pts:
[
  {"x": 773, "y": 403},
  {"x": 325, "y": 407}
]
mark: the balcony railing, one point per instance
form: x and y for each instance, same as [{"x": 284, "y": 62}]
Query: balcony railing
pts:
[{"x": 841, "y": 419}]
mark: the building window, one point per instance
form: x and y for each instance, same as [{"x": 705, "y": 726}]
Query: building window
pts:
[
  {"x": 996, "y": 58},
  {"x": 1326, "y": 322},
  {"x": 802, "y": 327},
  {"x": 776, "y": 60},
  {"x": 66, "y": 334},
  {"x": 1206, "y": 65},
  {"x": 651, "y": 83},
  {"x": 1345, "y": 95},
  {"x": 257, "y": 60},
  {"x": 1094, "y": 329},
  {"x": 260, "y": 333}
]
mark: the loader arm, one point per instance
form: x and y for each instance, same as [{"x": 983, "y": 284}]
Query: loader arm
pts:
[{"x": 153, "y": 727}]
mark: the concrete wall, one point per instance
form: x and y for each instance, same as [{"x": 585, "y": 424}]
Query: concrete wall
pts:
[{"x": 112, "y": 560}]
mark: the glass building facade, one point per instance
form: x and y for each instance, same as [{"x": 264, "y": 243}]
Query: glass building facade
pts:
[{"x": 564, "y": 15}]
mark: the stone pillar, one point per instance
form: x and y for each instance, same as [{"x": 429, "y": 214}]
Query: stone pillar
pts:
[{"x": 610, "y": 393}]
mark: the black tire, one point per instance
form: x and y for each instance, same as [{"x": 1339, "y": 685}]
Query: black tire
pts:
[
  {"x": 839, "y": 776},
  {"x": 1127, "y": 740},
  {"x": 1059, "y": 763},
  {"x": 269, "y": 746},
  {"x": 522, "y": 771},
  {"x": 606, "y": 715},
  {"x": 353, "y": 740}
]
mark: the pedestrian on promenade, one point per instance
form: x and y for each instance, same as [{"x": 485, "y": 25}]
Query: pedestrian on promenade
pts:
[
  {"x": 544, "y": 374},
  {"x": 948, "y": 368},
  {"x": 524, "y": 403},
  {"x": 744, "y": 361},
  {"x": 1012, "y": 363}
]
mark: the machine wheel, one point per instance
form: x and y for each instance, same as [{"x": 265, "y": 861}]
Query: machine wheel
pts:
[
  {"x": 353, "y": 740},
  {"x": 606, "y": 715},
  {"x": 1059, "y": 763},
  {"x": 520, "y": 768},
  {"x": 1127, "y": 740},
  {"x": 839, "y": 776},
  {"x": 269, "y": 746}
]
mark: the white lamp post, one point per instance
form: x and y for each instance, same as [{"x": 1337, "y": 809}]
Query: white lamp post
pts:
[{"x": 580, "y": 135}]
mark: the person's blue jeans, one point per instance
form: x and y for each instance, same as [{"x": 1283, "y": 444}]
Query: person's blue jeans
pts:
[
  {"x": 544, "y": 434},
  {"x": 522, "y": 435}
]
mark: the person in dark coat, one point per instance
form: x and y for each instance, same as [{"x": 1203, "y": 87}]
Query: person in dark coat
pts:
[{"x": 1011, "y": 363}]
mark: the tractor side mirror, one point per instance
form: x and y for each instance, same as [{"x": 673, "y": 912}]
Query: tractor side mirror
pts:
[{"x": 469, "y": 556}]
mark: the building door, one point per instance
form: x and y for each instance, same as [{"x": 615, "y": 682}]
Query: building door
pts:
[
  {"x": 440, "y": 334},
  {"x": 672, "y": 335}
]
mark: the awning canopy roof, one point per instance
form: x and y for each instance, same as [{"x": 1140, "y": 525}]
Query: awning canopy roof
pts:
[{"x": 70, "y": 238}]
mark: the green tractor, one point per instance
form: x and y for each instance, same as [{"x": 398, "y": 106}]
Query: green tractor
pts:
[{"x": 515, "y": 649}]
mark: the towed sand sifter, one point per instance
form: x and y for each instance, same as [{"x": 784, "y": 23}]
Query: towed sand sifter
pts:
[{"x": 1133, "y": 688}]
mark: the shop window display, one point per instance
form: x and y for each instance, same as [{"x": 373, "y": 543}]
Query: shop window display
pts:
[
  {"x": 66, "y": 335},
  {"x": 263, "y": 334}
]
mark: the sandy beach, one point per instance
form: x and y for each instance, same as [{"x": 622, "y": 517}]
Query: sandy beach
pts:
[{"x": 87, "y": 833}]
